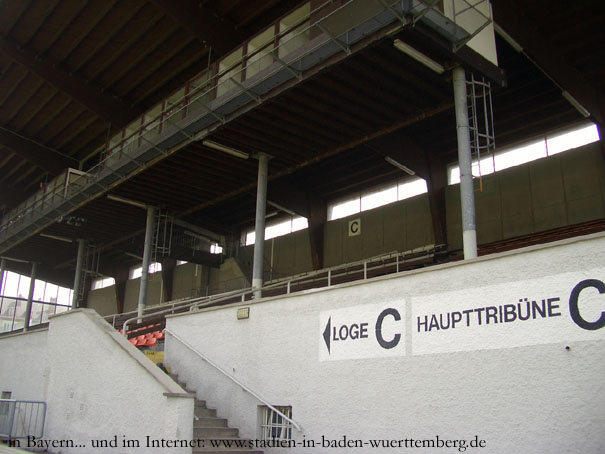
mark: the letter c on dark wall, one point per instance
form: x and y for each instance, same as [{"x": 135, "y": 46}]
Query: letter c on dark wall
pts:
[
  {"x": 383, "y": 343},
  {"x": 575, "y": 311}
]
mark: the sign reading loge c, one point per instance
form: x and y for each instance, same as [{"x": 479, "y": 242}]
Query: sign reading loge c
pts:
[{"x": 358, "y": 331}]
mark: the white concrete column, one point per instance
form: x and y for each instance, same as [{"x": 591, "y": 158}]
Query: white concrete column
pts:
[
  {"x": 146, "y": 260},
  {"x": 30, "y": 297},
  {"x": 259, "y": 228},
  {"x": 467, "y": 191},
  {"x": 78, "y": 273}
]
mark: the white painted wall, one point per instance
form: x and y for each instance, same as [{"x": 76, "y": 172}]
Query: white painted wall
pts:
[
  {"x": 96, "y": 384},
  {"x": 101, "y": 386},
  {"x": 24, "y": 368},
  {"x": 518, "y": 389}
]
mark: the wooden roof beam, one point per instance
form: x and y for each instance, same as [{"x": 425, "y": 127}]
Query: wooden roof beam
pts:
[
  {"x": 46, "y": 158},
  {"x": 107, "y": 106},
  {"x": 219, "y": 33},
  {"x": 540, "y": 48}
]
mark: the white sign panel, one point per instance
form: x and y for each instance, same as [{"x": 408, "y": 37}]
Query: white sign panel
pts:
[
  {"x": 355, "y": 227},
  {"x": 369, "y": 331},
  {"x": 552, "y": 309}
]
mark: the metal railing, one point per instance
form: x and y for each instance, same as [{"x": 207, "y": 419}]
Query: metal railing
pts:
[
  {"x": 233, "y": 379},
  {"x": 20, "y": 419},
  {"x": 296, "y": 51},
  {"x": 392, "y": 262}
]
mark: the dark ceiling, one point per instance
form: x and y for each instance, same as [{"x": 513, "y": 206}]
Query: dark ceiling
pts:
[{"x": 73, "y": 72}]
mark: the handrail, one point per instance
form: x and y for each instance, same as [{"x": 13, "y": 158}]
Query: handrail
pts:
[
  {"x": 186, "y": 107},
  {"x": 235, "y": 380},
  {"x": 311, "y": 276},
  {"x": 151, "y": 120},
  {"x": 209, "y": 299}
]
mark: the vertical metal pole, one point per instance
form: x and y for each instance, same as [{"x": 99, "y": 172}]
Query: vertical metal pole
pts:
[
  {"x": 2, "y": 268},
  {"x": 146, "y": 259},
  {"x": 30, "y": 297},
  {"x": 259, "y": 229},
  {"x": 78, "y": 274},
  {"x": 467, "y": 194}
]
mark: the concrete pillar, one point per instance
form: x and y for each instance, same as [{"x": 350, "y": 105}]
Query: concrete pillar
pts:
[
  {"x": 146, "y": 260},
  {"x": 467, "y": 191},
  {"x": 259, "y": 228},
  {"x": 30, "y": 297},
  {"x": 78, "y": 274}
]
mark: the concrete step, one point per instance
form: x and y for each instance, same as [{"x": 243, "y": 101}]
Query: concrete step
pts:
[
  {"x": 204, "y": 412},
  {"x": 182, "y": 384},
  {"x": 215, "y": 432},
  {"x": 209, "y": 422}
]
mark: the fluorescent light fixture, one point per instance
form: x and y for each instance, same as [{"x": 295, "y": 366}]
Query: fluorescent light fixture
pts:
[
  {"x": 116, "y": 198},
  {"x": 399, "y": 166},
  {"x": 56, "y": 237},
  {"x": 574, "y": 102},
  {"x": 130, "y": 254},
  {"x": 225, "y": 149},
  {"x": 418, "y": 56},
  {"x": 509, "y": 39},
  {"x": 12, "y": 259}
]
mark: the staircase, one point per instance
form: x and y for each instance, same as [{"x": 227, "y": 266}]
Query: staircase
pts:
[{"x": 214, "y": 433}]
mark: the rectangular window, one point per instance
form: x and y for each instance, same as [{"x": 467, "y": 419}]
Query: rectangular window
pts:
[
  {"x": 273, "y": 426},
  {"x": 378, "y": 198},
  {"x": 543, "y": 147},
  {"x": 571, "y": 139},
  {"x": 293, "y": 224},
  {"x": 101, "y": 283},
  {"x": 344, "y": 208},
  {"x": 138, "y": 271},
  {"x": 403, "y": 189},
  {"x": 411, "y": 188}
]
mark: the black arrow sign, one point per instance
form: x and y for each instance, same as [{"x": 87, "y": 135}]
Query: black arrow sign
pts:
[{"x": 327, "y": 334}]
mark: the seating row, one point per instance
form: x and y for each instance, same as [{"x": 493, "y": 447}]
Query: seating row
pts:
[{"x": 147, "y": 340}]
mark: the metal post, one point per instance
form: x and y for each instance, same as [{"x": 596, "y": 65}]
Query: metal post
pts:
[
  {"x": 146, "y": 259},
  {"x": 30, "y": 297},
  {"x": 467, "y": 194},
  {"x": 78, "y": 275},
  {"x": 2, "y": 268},
  {"x": 259, "y": 229}
]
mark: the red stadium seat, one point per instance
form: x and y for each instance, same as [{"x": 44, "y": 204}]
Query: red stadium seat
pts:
[
  {"x": 150, "y": 342},
  {"x": 140, "y": 342}
]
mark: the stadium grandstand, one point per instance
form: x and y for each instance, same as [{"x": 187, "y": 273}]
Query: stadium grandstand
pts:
[{"x": 316, "y": 226}]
